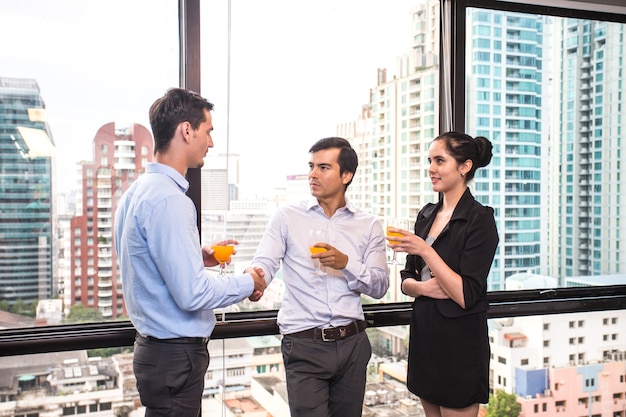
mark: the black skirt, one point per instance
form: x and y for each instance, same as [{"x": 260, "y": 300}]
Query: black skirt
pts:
[{"x": 448, "y": 361}]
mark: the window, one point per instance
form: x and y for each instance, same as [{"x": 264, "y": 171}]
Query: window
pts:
[
  {"x": 516, "y": 187},
  {"x": 78, "y": 104}
]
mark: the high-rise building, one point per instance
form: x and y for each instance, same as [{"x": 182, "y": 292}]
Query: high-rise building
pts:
[
  {"x": 120, "y": 155},
  {"x": 505, "y": 88},
  {"x": 590, "y": 129},
  {"x": 219, "y": 182},
  {"x": 404, "y": 114},
  {"x": 26, "y": 232},
  {"x": 394, "y": 130},
  {"x": 504, "y": 102}
]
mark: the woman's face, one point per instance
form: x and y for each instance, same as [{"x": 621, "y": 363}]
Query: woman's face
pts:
[{"x": 444, "y": 171}]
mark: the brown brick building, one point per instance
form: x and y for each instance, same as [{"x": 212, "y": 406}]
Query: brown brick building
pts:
[{"x": 120, "y": 155}]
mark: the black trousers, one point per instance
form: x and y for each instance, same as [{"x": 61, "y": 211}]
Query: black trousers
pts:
[
  {"x": 170, "y": 376},
  {"x": 326, "y": 379}
]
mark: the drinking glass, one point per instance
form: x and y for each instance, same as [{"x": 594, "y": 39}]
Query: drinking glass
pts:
[
  {"x": 223, "y": 247},
  {"x": 317, "y": 236},
  {"x": 398, "y": 224}
]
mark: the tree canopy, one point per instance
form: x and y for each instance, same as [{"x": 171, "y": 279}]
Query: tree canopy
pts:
[{"x": 503, "y": 405}]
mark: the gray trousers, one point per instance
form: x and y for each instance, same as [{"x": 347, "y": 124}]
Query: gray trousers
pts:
[
  {"x": 326, "y": 379},
  {"x": 170, "y": 377}
]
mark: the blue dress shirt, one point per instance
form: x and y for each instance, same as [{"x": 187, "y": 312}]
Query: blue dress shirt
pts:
[
  {"x": 167, "y": 291},
  {"x": 333, "y": 299}
]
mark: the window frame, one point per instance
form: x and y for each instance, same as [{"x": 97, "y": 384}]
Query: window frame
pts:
[{"x": 258, "y": 323}]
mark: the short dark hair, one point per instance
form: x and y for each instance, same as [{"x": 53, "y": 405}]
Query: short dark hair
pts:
[
  {"x": 463, "y": 147},
  {"x": 178, "y": 105},
  {"x": 348, "y": 160}
]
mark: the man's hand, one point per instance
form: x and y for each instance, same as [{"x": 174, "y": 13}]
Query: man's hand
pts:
[
  {"x": 259, "y": 282},
  {"x": 332, "y": 257},
  {"x": 256, "y": 296},
  {"x": 207, "y": 256},
  {"x": 209, "y": 259}
]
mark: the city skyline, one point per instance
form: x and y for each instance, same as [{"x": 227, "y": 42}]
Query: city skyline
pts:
[
  {"x": 515, "y": 145},
  {"x": 534, "y": 354},
  {"x": 132, "y": 75}
]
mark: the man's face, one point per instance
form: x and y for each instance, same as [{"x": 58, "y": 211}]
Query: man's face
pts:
[
  {"x": 201, "y": 141},
  {"x": 325, "y": 181}
]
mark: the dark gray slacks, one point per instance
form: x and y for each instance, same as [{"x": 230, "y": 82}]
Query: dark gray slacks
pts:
[
  {"x": 326, "y": 379},
  {"x": 170, "y": 377}
]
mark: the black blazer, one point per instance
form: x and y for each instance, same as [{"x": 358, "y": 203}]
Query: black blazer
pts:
[{"x": 467, "y": 244}]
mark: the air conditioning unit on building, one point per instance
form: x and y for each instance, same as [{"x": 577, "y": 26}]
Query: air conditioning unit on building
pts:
[{"x": 407, "y": 406}]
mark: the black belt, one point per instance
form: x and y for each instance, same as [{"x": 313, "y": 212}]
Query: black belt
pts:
[
  {"x": 332, "y": 333},
  {"x": 177, "y": 340}
]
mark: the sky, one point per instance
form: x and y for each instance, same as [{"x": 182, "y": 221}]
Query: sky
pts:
[
  {"x": 298, "y": 69},
  {"x": 281, "y": 73}
]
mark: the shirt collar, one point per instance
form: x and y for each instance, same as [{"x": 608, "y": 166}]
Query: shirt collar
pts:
[
  {"x": 312, "y": 203},
  {"x": 156, "y": 167}
]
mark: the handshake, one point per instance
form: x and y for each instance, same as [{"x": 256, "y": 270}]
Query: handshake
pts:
[{"x": 258, "y": 275}]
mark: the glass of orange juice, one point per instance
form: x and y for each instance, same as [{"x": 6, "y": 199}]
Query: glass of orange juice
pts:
[
  {"x": 223, "y": 247},
  {"x": 317, "y": 236},
  {"x": 397, "y": 224}
]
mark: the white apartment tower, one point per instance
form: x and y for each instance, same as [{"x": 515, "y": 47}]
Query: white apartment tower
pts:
[
  {"x": 591, "y": 133},
  {"x": 394, "y": 130}
]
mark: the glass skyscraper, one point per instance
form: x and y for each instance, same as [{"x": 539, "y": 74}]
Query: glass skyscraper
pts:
[
  {"x": 26, "y": 232},
  {"x": 505, "y": 87},
  {"x": 548, "y": 93}
]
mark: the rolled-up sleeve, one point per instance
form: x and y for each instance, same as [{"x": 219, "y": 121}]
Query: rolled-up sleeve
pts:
[{"x": 370, "y": 276}]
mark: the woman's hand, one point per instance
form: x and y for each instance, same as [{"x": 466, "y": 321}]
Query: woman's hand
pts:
[{"x": 408, "y": 242}]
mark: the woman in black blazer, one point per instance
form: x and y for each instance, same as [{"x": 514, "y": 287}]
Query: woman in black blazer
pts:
[{"x": 448, "y": 261}]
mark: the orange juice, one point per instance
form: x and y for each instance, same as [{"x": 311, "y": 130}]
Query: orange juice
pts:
[
  {"x": 222, "y": 253},
  {"x": 315, "y": 249},
  {"x": 393, "y": 242}
]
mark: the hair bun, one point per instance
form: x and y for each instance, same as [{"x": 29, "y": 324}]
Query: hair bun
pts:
[{"x": 484, "y": 151}]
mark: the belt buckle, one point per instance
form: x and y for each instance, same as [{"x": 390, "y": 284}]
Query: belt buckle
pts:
[
  {"x": 327, "y": 339},
  {"x": 343, "y": 331}
]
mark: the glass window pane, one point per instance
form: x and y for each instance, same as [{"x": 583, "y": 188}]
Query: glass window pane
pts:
[
  {"x": 76, "y": 84},
  {"x": 280, "y": 83},
  {"x": 557, "y": 142}
]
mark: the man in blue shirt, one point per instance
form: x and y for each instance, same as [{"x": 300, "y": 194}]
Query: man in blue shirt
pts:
[
  {"x": 168, "y": 294},
  {"x": 325, "y": 350}
]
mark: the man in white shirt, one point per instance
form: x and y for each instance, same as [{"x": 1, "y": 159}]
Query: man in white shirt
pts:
[{"x": 325, "y": 349}]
